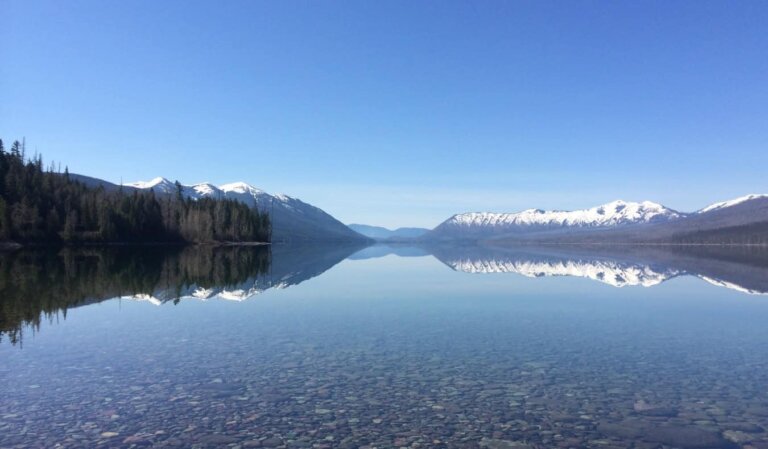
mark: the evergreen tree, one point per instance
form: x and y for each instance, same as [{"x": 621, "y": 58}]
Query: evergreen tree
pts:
[{"x": 39, "y": 205}]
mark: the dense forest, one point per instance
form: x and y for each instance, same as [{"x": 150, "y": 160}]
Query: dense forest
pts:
[
  {"x": 748, "y": 234},
  {"x": 44, "y": 206}
]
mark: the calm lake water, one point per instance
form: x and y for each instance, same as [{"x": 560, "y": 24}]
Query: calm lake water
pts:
[{"x": 385, "y": 347}]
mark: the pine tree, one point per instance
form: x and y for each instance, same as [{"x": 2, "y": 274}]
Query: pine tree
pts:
[
  {"x": 5, "y": 220},
  {"x": 39, "y": 204},
  {"x": 70, "y": 227}
]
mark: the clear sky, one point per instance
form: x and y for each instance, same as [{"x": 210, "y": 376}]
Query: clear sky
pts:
[{"x": 399, "y": 113}]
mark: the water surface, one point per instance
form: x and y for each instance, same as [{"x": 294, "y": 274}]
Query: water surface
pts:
[{"x": 385, "y": 347}]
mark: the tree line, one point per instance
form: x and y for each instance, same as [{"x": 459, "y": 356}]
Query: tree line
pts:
[
  {"x": 748, "y": 234},
  {"x": 42, "y": 205}
]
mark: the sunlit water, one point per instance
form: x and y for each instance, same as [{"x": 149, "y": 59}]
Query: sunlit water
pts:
[{"x": 394, "y": 351}]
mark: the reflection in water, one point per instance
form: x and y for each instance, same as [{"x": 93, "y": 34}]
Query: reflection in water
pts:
[
  {"x": 375, "y": 251},
  {"x": 739, "y": 268},
  {"x": 43, "y": 284},
  {"x": 40, "y": 284},
  {"x": 387, "y": 352}
]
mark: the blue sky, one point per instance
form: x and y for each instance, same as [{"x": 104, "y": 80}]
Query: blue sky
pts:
[{"x": 399, "y": 113}]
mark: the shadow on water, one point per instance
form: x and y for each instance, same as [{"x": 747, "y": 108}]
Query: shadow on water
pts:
[{"x": 38, "y": 285}]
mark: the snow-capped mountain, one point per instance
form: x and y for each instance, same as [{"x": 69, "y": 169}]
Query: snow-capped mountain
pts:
[
  {"x": 292, "y": 219},
  {"x": 237, "y": 190},
  {"x": 613, "y": 214},
  {"x": 159, "y": 185},
  {"x": 743, "y": 220},
  {"x": 730, "y": 203},
  {"x": 610, "y": 214}
]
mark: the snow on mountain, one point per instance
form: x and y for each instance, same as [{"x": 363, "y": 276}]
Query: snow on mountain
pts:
[
  {"x": 159, "y": 185},
  {"x": 741, "y": 220},
  {"x": 204, "y": 189},
  {"x": 240, "y": 191},
  {"x": 610, "y": 214},
  {"x": 292, "y": 219},
  {"x": 733, "y": 202},
  {"x": 239, "y": 187}
]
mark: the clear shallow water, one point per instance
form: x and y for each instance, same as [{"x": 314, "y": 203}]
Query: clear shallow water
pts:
[{"x": 386, "y": 350}]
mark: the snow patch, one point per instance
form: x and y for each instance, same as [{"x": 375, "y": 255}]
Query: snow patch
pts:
[
  {"x": 157, "y": 184},
  {"x": 240, "y": 187}
]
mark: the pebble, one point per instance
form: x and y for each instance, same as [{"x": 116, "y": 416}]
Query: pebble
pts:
[{"x": 276, "y": 377}]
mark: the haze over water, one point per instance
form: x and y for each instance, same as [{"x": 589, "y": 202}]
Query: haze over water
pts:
[{"x": 390, "y": 347}]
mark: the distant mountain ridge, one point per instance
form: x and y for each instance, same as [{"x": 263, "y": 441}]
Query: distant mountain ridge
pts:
[
  {"x": 734, "y": 202},
  {"x": 292, "y": 219},
  {"x": 741, "y": 220},
  {"x": 611, "y": 214},
  {"x": 383, "y": 234}
]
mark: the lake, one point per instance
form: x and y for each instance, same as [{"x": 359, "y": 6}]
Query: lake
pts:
[{"x": 385, "y": 347}]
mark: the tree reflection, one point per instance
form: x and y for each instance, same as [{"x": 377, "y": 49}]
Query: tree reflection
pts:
[{"x": 43, "y": 285}]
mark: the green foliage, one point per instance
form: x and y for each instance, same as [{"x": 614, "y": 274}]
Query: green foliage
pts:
[{"x": 41, "y": 206}]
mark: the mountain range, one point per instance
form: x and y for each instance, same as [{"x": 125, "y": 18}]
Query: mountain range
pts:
[
  {"x": 742, "y": 220},
  {"x": 292, "y": 219},
  {"x": 388, "y": 235}
]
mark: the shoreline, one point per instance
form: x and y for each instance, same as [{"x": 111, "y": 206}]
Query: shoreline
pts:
[
  {"x": 551, "y": 243},
  {"x": 14, "y": 246}
]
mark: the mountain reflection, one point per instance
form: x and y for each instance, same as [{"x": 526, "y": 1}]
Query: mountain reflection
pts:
[
  {"x": 38, "y": 285},
  {"x": 740, "y": 268},
  {"x": 43, "y": 285}
]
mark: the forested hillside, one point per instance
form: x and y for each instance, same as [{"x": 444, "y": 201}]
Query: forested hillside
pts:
[{"x": 42, "y": 206}]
